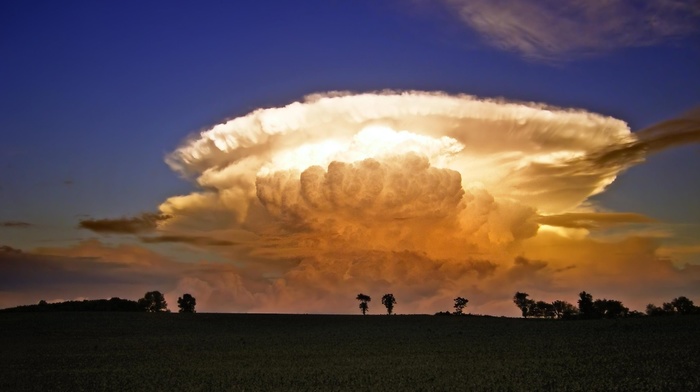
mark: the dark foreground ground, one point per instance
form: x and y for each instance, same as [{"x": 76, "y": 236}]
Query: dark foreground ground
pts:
[{"x": 207, "y": 352}]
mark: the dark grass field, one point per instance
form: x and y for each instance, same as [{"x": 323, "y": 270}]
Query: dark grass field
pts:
[{"x": 205, "y": 352}]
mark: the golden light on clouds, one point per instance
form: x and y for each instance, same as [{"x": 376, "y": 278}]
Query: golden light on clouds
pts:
[{"x": 425, "y": 195}]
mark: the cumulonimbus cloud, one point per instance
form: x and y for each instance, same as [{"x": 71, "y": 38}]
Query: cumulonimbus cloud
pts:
[
  {"x": 412, "y": 192},
  {"x": 553, "y": 29},
  {"x": 428, "y": 196}
]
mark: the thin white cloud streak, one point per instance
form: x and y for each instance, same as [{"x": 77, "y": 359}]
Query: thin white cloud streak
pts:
[{"x": 556, "y": 29}]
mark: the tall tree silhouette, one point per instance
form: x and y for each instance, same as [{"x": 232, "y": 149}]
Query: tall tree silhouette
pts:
[
  {"x": 153, "y": 301},
  {"x": 609, "y": 308},
  {"x": 543, "y": 309},
  {"x": 683, "y": 305},
  {"x": 389, "y": 301},
  {"x": 364, "y": 299},
  {"x": 186, "y": 303},
  {"x": 563, "y": 309},
  {"x": 586, "y": 306},
  {"x": 525, "y": 304},
  {"x": 460, "y": 304}
]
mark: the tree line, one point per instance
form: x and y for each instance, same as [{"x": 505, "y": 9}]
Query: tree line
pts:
[
  {"x": 152, "y": 301},
  {"x": 588, "y": 308}
]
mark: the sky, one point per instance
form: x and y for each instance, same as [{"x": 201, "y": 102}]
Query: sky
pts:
[{"x": 270, "y": 156}]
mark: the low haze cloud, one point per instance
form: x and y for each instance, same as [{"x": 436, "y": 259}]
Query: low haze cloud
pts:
[
  {"x": 555, "y": 29},
  {"x": 15, "y": 224},
  {"x": 92, "y": 269}
]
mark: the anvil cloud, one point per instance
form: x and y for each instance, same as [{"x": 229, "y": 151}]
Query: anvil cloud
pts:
[
  {"x": 422, "y": 194},
  {"x": 428, "y": 196}
]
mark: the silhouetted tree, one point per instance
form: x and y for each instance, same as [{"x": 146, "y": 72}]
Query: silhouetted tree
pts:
[
  {"x": 153, "y": 301},
  {"x": 609, "y": 308},
  {"x": 585, "y": 305},
  {"x": 668, "y": 308},
  {"x": 43, "y": 303},
  {"x": 682, "y": 305},
  {"x": 186, "y": 303},
  {"x": 460, "y": 304},
  {"x": 542, "y": 309},
  {"x": 653, "y": 310},
  {"x": 122, "y": 305},
  {"x": 389, "y": 301},
  {"x": 563, "y": 309},
  {"x": 679, "y": 305},
  {"x": 364, "y": 299},
  {"x": 525, "y": 304}
]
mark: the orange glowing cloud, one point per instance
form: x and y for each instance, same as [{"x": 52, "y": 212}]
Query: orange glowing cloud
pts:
[{"x": 425, "y": 195}]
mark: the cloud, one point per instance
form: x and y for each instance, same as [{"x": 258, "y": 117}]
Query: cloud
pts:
[
  {"x": 684, "y": 129},
  {"x": 369, "y": 191},
  {"x": 63, "y": 274},
  {"x": 6, "y": 249},
  {"x": 15, "y": 224},
  {"x": 425, "y": 195},
  {"x": 494, "y": 144},
  {"x": 554, "y": 29},
  {"x": 593, "y": 220},
  {"x": 194, "y": 240},
  {"x": 635, "y": 269},
  {"x": 144, "y": 222},
  {"x": 92, "y": 269}
]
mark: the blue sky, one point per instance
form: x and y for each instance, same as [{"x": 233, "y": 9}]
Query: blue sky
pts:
[{"x": 94, "y": 95}]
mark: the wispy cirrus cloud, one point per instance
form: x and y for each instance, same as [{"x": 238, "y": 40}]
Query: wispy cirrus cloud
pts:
[{"x": 556, "y": 29}]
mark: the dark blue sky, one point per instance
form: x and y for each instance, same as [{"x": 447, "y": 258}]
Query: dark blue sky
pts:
[{"x": 94, "y": 94}]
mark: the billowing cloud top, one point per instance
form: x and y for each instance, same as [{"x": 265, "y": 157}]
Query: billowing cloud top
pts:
[{"x": 518, "y": 151}]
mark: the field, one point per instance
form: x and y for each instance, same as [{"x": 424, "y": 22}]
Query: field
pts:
[{"x": 82, "y": 351}]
